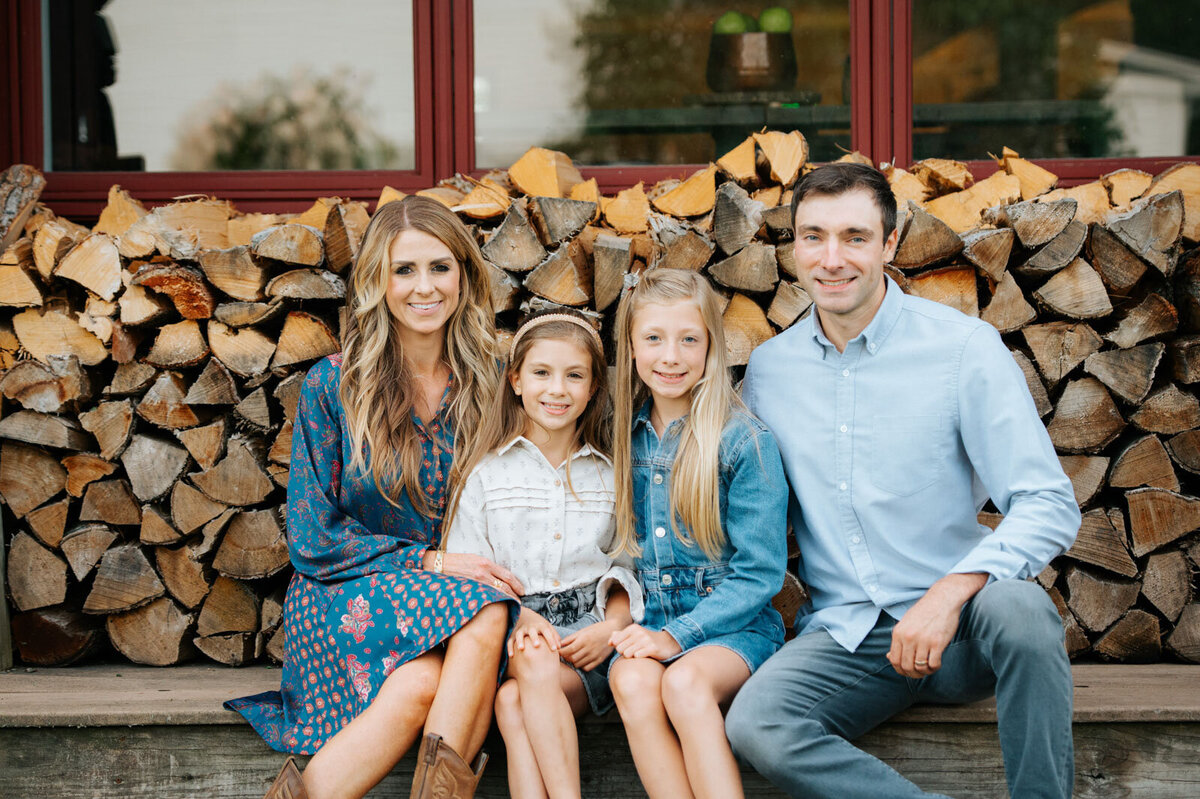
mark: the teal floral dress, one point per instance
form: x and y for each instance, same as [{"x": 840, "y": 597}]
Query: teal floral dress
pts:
[{"x": 358, "y": 604}]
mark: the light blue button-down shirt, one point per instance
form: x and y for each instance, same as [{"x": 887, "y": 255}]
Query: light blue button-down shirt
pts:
[{"x": 892, "y": 447}]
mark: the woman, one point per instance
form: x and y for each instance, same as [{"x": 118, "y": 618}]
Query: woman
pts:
[{"x": 384, "y": 637}]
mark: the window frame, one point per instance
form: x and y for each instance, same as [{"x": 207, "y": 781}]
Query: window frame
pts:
[{"x": 444, "y": 125}]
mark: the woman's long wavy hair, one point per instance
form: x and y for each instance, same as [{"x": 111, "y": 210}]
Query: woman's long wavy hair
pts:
[
  {"x": 695, "y": 475},
  {"x": 376, "y": 386},
  {"x": 506, "y": 413}
]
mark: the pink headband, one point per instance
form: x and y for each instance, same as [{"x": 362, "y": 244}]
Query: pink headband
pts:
[{"x": 552, "y": 317}]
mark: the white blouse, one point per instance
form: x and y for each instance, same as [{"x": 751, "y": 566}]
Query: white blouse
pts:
[{"x": 520, "y": 512}]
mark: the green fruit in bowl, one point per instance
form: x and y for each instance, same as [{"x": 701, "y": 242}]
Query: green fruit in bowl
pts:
[
  {"x": 730, "y": 22},
  {"x": 775, "y": 20}
]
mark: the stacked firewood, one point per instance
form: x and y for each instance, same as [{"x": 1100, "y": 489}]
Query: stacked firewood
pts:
[{"x": 153, "y": 364}]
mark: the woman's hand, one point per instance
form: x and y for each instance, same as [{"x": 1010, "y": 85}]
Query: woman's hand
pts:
[
  {"x": 531, "y": 627},
  {"x": 589, "y": 647},
  {"x": 476, "y": 567},
  {"x": 635, "y": 641}
]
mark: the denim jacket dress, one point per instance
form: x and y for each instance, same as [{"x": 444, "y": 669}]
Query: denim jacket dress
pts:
[{"x": 726, "y": 601}]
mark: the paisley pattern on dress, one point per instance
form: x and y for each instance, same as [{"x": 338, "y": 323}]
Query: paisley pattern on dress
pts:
[{"x": 358, "y": 605}]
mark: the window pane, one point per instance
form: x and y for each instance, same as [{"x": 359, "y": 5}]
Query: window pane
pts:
[
  {"x": 629, "y": 81},
  {"x": 229, "y": 84},
  {"x": 1068, "y": 78}
]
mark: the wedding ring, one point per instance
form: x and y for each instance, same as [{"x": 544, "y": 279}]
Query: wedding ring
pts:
[
  {"x": 497, "y": 584},
  {"x": 921, "y": 662}
]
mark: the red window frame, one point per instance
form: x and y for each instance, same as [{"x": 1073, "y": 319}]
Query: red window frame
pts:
[{"x": 443, "y": 73}]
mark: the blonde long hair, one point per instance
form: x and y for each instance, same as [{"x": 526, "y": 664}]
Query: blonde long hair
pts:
[
  {"x": 506, "y": 414},
  {"x": 376, "y": 388},
  {"x": 695, "y": 478}
]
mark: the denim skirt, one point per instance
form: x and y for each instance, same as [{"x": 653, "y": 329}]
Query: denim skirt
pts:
[{"x": 569, "y": 611}]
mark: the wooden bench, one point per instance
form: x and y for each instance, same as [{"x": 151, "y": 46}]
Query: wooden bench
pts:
[{"x": 128, "y": 731}]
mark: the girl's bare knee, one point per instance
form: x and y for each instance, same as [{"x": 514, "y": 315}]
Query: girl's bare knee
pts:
[
  {"x": 508, "y": 705},
  {"x": 536, "y": 666},
  {"x": 684, "y": 689},
  {"x": 632, "y": 682}
]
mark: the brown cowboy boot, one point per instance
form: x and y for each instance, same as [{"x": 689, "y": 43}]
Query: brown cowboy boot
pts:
[
  {"x": 441, "y": 772},
  {"x": 288, "y": 785}
]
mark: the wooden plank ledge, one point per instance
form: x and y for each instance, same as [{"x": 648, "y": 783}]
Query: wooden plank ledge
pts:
[{"x": 127, "y": 695}]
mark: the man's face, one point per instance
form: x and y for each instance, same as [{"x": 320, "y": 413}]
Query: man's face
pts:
[{"x": 840, "y": 252}]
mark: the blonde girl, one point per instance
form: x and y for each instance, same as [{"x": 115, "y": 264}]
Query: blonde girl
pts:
[
  {"x": 701, "y": 505},
  {"x": 539, "y": 501}
]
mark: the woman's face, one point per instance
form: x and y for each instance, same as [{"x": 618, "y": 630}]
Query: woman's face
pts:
[{"x": 423, "y": 286}]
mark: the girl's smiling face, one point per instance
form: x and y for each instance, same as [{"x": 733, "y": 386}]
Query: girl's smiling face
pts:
[
  {"x": 555, "y": 386},
  {"x": 670, "y": 347}
]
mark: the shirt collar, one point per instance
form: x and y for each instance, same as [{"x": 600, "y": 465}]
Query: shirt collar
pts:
[
  {"x": 876, "y": 332},
  {"x": 583, "y": 452}
]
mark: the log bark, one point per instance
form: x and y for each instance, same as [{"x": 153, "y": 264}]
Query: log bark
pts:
[
  {"x": 44, "y": 429},
  {"x": 1060, "y": 251},
  {"x": 164, "y": 404},
  {"x": 736, "y": 218},
  {"x": 111, "y": 502},
  {"x": 515, "y": 245},
  {"x": 246, "y": 352},
  {"x": 307, "y": 284},
  {"x": 158, "y": 634},
  {"x": 184, "y": 574},
  {"x": 238, "y": 479},
  {"x": 111, "y": 423},
  {"x": 37, "y": 578},
  {"x": 29, "y": 477},
  {"x": 153, "y": 466},
  {"x": 55, "y": 636},
  {"x": 1008, "y": 311},
  {"x": 1085, "y": 419},
  {"x": 293, "y": 244},
  {"x": 253, "y": 546},
  {"x": 235, "y": 272},
  {"x": 124, "y": 581},
  {"x": 989, "y": 250},
  {"x": 1158, "y": 517},
  {"x": 1151, "y": 318},
  {"x": 1134, "y": 639},
  {"x": 1058, "y": 347},
  {"x": 85, "y": 545},
  {"x": 1144, "y": 463},
  {"x": 305, "y": 337},
  {"x": 183, "y": 285},
  {"x": 1167, "y": 583},
  {"x": 1098, "y": 601},
  {"x": 1101, "y": 542},
  {"x": 1168, "y": 411},
  {"x": 752, "y": 270},
  {"x": 177, "y": 346},
  {"x": 1128, "y": 373},
  {"x": 20, "y": 188},
  {"x": 925, "y": 240},
  {"x": 1076, "y": 292}
]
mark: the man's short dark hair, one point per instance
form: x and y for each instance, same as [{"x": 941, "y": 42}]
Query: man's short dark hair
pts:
[{"x": 833, "y": 180}]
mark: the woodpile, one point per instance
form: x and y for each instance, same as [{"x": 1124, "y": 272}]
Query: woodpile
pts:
[{"x": 150, "y": 368}]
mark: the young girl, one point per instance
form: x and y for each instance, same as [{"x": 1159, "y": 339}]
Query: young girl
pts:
[
  {"x": 701, "y": 504},
  {"x": 539, "y": 501}
]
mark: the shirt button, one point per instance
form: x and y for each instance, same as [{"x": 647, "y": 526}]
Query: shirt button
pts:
[
  {"x": 658, "y": 479},
  {"x": 556, "y": 582},
  {"x": 558, "y": 536},
  {"x": 845, "y": 373},
  {"x": 843, "y": 428},
  {"x": 666, "y": 579},
  {"x": 872, "y": 589},
  {"x": 558, "y": 482},
  {"x": 708, "y": 590},
  {"x": 842, "y": 486},
  {"x": 659, "y": 532},
  {"x": 854, "y": 539}
]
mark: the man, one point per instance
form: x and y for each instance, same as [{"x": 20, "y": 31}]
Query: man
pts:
[{"x": 897, "y": 418}]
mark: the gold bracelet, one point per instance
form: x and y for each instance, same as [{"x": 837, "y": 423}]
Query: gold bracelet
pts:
[{"x": 437, "y": 562}]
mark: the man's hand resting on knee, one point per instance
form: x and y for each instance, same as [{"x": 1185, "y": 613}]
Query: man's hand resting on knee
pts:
[{"x": 923, "y": 633}]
